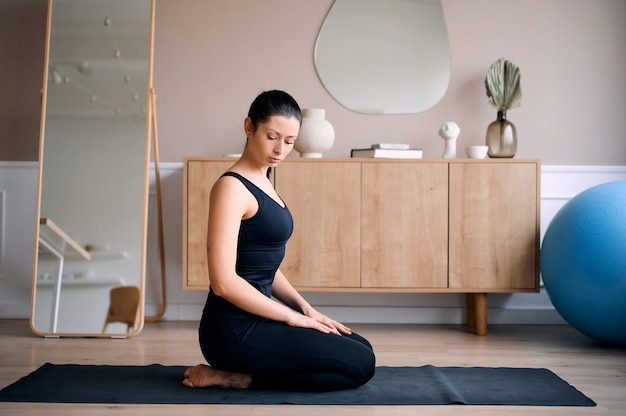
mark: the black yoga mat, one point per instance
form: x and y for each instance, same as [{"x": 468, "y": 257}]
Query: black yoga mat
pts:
[{"x": 427, "y": 385}]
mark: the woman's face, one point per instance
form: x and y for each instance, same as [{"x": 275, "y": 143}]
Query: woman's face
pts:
[{"x": 272, "y": 141}]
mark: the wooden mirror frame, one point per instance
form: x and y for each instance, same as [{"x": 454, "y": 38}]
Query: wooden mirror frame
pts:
[{"x": 54, "y": 236}]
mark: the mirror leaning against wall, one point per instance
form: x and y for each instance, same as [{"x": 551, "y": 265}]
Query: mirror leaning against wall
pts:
[{"x": 90, "y": 237}]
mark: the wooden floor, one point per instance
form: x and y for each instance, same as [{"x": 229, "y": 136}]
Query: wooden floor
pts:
[{"x": 596, "y": 370}]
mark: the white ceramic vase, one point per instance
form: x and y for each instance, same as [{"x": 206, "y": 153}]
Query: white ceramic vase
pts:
[{"x": 316, "y": 135}]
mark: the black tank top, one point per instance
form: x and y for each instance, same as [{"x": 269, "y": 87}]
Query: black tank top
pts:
[{"x": 260, "y": 247}]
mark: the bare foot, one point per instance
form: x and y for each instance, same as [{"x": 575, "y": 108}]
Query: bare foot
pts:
[{"x": 203, "y": 375}]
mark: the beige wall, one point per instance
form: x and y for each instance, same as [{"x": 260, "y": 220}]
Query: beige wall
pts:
[
  {"x": 213, "y": 57},
  {"x": 22, "y": 47}
]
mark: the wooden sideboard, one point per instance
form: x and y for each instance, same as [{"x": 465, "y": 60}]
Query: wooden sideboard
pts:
[{"x": 387, "y": 225}]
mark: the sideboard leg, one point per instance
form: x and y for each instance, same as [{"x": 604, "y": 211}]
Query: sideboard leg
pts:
[
  {"x": 469, "y": 306},
  {"x": 480, "y": 313}
]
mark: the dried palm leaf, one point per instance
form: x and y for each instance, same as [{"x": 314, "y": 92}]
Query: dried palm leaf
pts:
[{"x": 503, "y": 85}]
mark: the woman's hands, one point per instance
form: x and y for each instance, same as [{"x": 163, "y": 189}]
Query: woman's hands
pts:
[
  {"x": 336, "y": 327},
  {"x": 311, "y": 318}
]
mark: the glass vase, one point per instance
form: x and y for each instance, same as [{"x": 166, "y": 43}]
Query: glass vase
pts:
[{"x": 501, "y": 137}]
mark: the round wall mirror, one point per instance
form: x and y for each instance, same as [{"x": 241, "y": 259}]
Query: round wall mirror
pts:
[{"x": 384, "y": 56}]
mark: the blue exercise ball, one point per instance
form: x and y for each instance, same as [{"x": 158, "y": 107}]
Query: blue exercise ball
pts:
[{"x": 583, "y": 262}]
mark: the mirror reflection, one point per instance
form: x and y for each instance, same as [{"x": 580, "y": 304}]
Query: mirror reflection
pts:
[
  {"x": 93, "y": 169},
  {"x": 384, "y": 56}
]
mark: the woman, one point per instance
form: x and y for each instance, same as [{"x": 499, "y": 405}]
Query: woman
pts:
[{"x": 256, "y": 330}]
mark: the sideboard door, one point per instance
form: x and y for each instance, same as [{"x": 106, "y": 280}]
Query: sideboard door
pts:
[
  {"x": 324, "y": 198},
  {"x": 200, "y": 175},
  {"x": 405, "y": 225},
  {"x": 494, "y": 226}
]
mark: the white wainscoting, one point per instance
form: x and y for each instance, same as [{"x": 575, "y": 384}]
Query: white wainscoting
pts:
[{"x": 18, "y": 186}]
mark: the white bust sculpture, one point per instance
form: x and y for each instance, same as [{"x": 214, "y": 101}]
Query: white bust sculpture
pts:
[{"x": 449, "y": 131}]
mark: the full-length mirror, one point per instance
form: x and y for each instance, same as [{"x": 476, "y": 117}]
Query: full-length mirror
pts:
[
  {"x": 93, "y": 169},
  {"x": 384, "y": 56}
]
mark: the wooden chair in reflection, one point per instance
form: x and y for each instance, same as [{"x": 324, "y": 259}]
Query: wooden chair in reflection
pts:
[{"x": 124, "y": 307}]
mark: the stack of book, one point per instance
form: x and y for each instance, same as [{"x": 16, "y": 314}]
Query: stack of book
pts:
[{"x": 388, "y": 150}]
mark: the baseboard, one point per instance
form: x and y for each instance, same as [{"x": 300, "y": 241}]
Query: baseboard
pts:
[
  {"x": 396, "y": 315},
  {"x": 14, "y": 310}
]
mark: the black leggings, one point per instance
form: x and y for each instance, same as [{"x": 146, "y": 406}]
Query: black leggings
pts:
[{"x": 281, "y": 357}]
